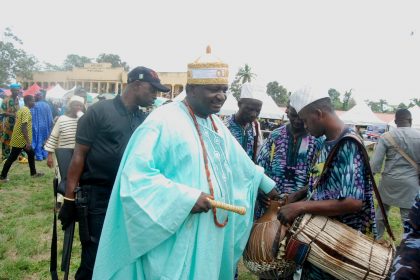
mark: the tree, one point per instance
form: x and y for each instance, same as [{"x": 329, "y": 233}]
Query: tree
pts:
[
  {"x": 74, "y": 60},
  {"x": 13, "y": 60},
  {"x": 26, "y": 66},
  {"x": 379, "y": 106},
  {"x": 114, "y": 59},
  {"x": 245, "y": 74},
  {"x": 351, "y": 103},
  {"x": 279, "y": 93},
  {"x": 414, "y": 102},
  {"x": 382, "y": 104},
  {"x": 346, "y": 100},
  {"x": 235, "y": 87},
  {"x": 52, "y": 67},
  {"x": 335, "y": 98},
  {"x": 374, "y": 106},
  {"x": 402, "y": 106}
]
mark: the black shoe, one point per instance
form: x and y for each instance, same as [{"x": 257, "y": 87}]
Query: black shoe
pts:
[
  {"x": 36, "y": 175},
  {"x": 3, "y": 180}
]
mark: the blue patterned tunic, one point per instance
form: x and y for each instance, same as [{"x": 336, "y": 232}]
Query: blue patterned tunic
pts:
[
  {"x": 348, "y": 178},
  {"x": 245, "y": 136},
  {"x": 407, "y": 260},
  {"x": 287, "y": 160}
]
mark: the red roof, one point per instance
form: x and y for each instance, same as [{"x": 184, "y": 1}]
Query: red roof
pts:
[
  {"x": 32, "y": 90},
  {"x": 7, "y": 92},
  {"x": 386, "y": 117}
]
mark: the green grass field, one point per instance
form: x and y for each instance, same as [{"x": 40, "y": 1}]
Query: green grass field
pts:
[{"x": 26, "y": 216}]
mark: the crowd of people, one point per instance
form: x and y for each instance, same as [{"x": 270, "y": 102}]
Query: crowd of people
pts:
[
  {"x": 148, "y": 180},
  {"x": 23, "y": 129}
]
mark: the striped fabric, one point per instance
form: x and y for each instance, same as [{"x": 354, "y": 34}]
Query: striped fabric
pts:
[{"x": 63, "y": 134}]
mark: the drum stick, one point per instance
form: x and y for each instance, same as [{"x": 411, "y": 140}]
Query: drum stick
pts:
[{"x": 232, "y": 208}]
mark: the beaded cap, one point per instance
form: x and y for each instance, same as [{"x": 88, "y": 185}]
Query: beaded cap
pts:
[{"x": 208, "y": 70}]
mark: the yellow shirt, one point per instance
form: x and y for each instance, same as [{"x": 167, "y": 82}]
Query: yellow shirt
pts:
[{"x": 23, "y": 116}]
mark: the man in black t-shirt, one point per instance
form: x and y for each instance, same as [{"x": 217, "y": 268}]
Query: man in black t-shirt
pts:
[{"x": 101, "y": 137}]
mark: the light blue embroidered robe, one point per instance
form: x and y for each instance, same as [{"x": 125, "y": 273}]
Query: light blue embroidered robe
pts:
[{"x": 149, "y": 232}]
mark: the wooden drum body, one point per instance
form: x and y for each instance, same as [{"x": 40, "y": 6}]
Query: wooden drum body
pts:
[
  {"x": 264, "y": 252},
  {"x": 342, "y": 251}
]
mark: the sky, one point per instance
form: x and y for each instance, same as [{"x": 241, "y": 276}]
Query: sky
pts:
[{"x": 371, "y": 47}]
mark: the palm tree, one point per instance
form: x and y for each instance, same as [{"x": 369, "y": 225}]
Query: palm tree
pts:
[{"x": 245, "y": 74}]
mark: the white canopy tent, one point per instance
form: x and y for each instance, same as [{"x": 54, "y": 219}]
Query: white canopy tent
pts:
[
  {"x": 230, "y": 107},
  {"x": 180, "y": 96},
  {"x": 69, "y": 93},
  {"x": 361, "y": 114},
  {"x": 91, "y": 97},
  {"x": 56, "y": 93},
  {"x": 269, "y": 110},
  {"x": 415, "y": 115}
]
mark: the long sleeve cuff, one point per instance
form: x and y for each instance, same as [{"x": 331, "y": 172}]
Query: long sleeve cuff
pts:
[{"x": 266, "y": 184}]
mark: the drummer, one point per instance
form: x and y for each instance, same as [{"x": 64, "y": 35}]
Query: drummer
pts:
[
  {"x": 345, "y": 192},
  {"x": 286, "y": 157}
]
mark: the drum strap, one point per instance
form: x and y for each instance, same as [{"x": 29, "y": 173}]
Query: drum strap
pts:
[
  {"x": 255, "y": 144},
  {"x": 391, "y": 139},
  {"x": 327, "y": 165}
]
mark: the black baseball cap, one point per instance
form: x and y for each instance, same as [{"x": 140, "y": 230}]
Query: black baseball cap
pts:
[{"x": 144, "y": 74}]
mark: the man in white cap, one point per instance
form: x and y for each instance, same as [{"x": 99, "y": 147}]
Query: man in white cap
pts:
[
  {"x": 158, "y": 224},
  {"x": 63, "y": 136},
  {"x": 287, "y": 155},
  {"x": 244, "y": 125},
  {"x": 344, "y": 191}
]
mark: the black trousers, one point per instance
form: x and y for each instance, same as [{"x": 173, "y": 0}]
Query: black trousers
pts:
[
  {"x": 98, "y": 198},
  {"x": 14, "y": 154}
]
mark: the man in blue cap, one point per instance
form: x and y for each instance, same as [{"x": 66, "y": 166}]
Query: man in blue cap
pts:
[{"x": 101, "y": 137}]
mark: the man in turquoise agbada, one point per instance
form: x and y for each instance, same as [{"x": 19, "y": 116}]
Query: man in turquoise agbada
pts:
[{"x": 158, "y": 224}]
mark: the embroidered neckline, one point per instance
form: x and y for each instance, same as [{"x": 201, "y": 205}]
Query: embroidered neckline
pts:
[{"x": 206, "y": 161}]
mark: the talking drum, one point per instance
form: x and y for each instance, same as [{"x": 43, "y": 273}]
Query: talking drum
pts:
[
  {"x": 264, "y": 252},
  {"x": 342, "y": 251}
]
